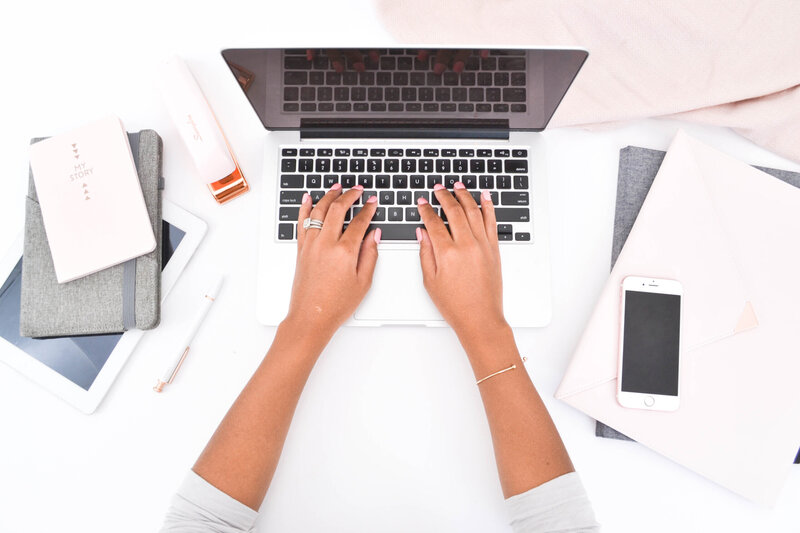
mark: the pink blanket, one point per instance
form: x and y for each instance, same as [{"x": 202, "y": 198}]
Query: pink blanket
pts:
[{"x": 728, "y": 63}]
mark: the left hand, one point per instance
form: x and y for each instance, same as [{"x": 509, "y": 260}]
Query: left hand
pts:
[{"x": 334, "y": 268}]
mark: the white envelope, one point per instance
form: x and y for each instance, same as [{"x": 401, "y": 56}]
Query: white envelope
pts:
[{"x": 729, "y": 233}]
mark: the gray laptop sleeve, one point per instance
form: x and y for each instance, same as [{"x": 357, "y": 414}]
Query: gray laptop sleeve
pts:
[
  {"x": 113, "y": 300},
  {"x": 637, "y": 171}
]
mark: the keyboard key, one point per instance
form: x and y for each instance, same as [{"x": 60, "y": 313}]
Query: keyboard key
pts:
[
  {"x": 316, "y": 196},
  {"x": 502, "y": 152},
  {"x": 522, "y": 236},
  {"x": 366, "y": 195},
  {"x": 505, "y": 237},
  {"x": 448, "y": 152},
  {"x": 295, "y": 78},
  {"x": 466, "y": 108},
  {"x": 494, "y": 165},
  {"x": 305, "y": 165},
  {"x": 486, "y": 182},
  {"x": 442, "y": 165},
  {"x": 395, "y": 107},
  {"x": 289, "y": 165},
  {"x": 325, "y": 152},
  {"x": 417, "y": 78},
  {"x": 477, "y": 166},
  {"x": 391, "y": 94},
  {"x": 289, "y": 152},
  {"x": 322, "y": 165},
  {"x": 483, "y": 108},
  {"x": 377, "y": 107},
  {"x": 516, "y": 166},
  {"x": 400, "y": 78},
  {"x": 511, "y": 63},
  {"x": 306, "y": 152},
  {"x": 374, "y": 165},
  {"x": 520, "y": 182},
  {"x": 403, "y": 197},
  {"x": 426, "y": 165},
  {"x": 476, "y": 196},
  {"x": 413, "y": 152},
  {"x": 308, "y": 94},
  {"x": 417, "y": 181},
  {"x": 327, "y": 107},
  {"x": 460, "y": 165},
  {"x": 333, "y": 78},
  {"x": 358, "y": 94},
  {"x": 519, "y": 153},
  {"x": 296, "y": 63},
  {"x": 450, "y": 180},
  {"x": 389, "y": 63},
  {"x": 395, "y": 214},
  {"x": 383, "y": 78},
  {"x": 450, "y": 78},
  {"x": 340, "y": 165},
  {"x": 442, "y": 94},
  {"x": 291, "y": 181},
  {"x": 518, "y": 79},
  {"x": 433, "y": 179},
  {"x": 430, "y": 108},
  {"x": 365, "y": 180},
  {"x": 313, "y": 181},
  {"x": 285, "y": 232},
  {"x": 342, "y": 106},
  {"x": 448, "y": 108},
  {"x": 288, "y": 214},
  {"x": 467, "y": 78},
  {"x": 489, "y": 63},
  {"x": 350, "y": 78},
  {"x": 348, "y": 181},
  {"x": 433, "y": 79},
  {"x": 391, "y": 165},
  {"x": 292, "y": 197},
  {"x": 380, "y": 214},
  {"x": 469, "y": 181},
  {"x": 503, "y": 182},
  {"x": 396, "y": 232},
  {"x": 505, "y": 228},
  {"x": 485, "y": 79},
  {"x": 514, "y": 95},
  {"x": 386, "y": 197},
  {"x": 466, "y": 152},
  {"x": 421, "y": 194},
  {"x": 512, "y": 214},
  {"x": 360, "y": 152},
  {"x": 341, "y": 93},
  {"x": 514, "y": 198},
  {"x": 382, "y": 181},
  {"x": 395, "y": 152},
  {"x": 493, "y": 95},
  {"x": 366, "y": 78},
  {"x": 412, "y": 215},
  {"x": 408, "y": 165},
  {"x": 501, "y": 78},
  {"x": 476, "y": 94},
  {"x": 431, "y": 152},
  {"x": 500, "y": 108},
  {"x": 356, "y": 165},
  {"x": 330, "y": 179},
  {"x": 484, "y": 153},
  {"x": 459, "y": 94},
  {"x": 291, "y": 94},
  {"x": 399, "y": 182},
  {"x": 425, "y": 94},
  {"x": 414, "y": 107}
]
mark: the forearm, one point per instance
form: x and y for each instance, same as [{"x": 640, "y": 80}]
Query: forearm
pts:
[
  {"x": 527, "y": 446},
  {"x": 242, "y": 455}
]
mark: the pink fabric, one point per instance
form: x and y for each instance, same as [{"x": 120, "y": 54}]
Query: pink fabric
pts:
[{"x": 729, "y": 63}]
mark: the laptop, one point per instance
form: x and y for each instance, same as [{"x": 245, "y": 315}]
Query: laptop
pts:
[{"x": 389, "y": 120}]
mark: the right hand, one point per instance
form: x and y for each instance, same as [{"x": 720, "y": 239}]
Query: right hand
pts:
[{"x": 461, "y": 268}]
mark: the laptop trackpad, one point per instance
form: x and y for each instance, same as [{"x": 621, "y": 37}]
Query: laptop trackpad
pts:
[{"x": 397, "y": 292}]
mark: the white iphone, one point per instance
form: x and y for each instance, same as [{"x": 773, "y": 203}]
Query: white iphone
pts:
[{"x": 649, "y": 344}]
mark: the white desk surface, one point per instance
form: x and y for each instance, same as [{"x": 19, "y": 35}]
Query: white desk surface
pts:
[{"x": 390, "y": 434}]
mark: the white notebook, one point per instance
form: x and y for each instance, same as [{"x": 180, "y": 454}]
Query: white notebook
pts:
[{"x": 91, "y": 200}]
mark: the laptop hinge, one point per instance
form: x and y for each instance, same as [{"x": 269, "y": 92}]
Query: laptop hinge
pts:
[{"x": 404, "y": 129}]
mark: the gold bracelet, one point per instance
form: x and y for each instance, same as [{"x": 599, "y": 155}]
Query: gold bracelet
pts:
[{"x": 512, "y": 367}]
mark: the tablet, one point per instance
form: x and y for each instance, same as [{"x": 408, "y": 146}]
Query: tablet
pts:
[{"x": 80, "y": 370}]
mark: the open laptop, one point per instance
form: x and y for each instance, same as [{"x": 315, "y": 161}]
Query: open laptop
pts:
[{"x": 397, "y": 127}]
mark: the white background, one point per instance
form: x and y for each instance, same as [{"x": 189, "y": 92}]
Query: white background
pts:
[{"x": 390, "y": 434}]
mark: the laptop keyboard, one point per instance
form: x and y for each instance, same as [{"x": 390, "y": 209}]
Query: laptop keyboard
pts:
[
  {"x": 398, "y": 176},
  {"x": 399, "y": 82}
]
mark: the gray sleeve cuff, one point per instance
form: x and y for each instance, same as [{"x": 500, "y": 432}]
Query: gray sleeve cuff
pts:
[
  {"x": 200, "y": 506},
  {"x": 560, "y": 505}
]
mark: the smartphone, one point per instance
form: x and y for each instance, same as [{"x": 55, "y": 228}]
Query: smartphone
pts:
[{"x": 649, "y": 344}]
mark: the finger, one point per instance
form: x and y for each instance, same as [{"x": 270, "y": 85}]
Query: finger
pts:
[
  {"x": 484, "y": 54},
  {"x": 320, "y": 210},
  {"x": 310, "y": 54},
  {"x": 436, "y": 230},
  {"x": 374, "y": 56},
  {"x": 423, "y": 55},
  {"x": 443, "y": 57},
  {"x": 368, "y": 256},
  {"x": 360, "y": 223},
  {"x": 334, "y": 220},
  {"x": 471, "y": 211},
  {"x": 459, "y": 227},
  {"x": 355, "y": 59},
  {"x": 336, "y": 59},
  {"x": 303, "y": 213},
  {"x": 489, "y": 218},
  {"x": 460, "y": 60},
  {"x": 427, "y": 258}
]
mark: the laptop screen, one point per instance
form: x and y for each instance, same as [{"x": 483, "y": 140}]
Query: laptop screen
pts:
[{"x": 507, "y": 89}]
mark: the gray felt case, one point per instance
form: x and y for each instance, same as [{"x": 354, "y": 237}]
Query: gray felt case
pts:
[
  {"x": 113, "y": 300},
  {"x": 637, "y": 171}
]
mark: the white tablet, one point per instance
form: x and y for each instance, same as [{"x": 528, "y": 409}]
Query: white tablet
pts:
[{"x": 80, "y": 370}]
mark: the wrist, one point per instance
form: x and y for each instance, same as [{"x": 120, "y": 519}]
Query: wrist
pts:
[
  {"x": 305, "y": 335},
  {"x": 491, "y": 348}
]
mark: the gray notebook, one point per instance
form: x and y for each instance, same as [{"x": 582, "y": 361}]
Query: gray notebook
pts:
[
  {"x": 637, "y": 170},
  {"x": 113, "y": 300}
]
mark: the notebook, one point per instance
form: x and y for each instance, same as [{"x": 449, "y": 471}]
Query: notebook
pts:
[
  {"x": 113, "y": 300},
  {"x": 637, "y": 170}
]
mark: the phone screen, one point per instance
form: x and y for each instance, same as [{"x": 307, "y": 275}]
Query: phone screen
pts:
[{"x": 651, "y": 343}]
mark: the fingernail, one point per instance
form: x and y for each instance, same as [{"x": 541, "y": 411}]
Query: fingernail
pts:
[
  {"x": 421, "y": 200},
  {"x": 484, "y": 53},
  {"x": 377, "y": 235},
  {"x": 458, "y": 185},
  {"x": 438, "y": 187},
  {"x": 359, "y": 67},
  {"x": 358, "y": 187},
  {"x": 306, "y": 198},
  {"x": 438, "y": 68},
  {"x": 336, "y": 186},
  {"x": 372, "y": 199},
  {"x": 458, "y": 66},
  {"x": 309, "y": 54},
  {"x": 419, "y": 235},
  {"x": 486, "y": 196},
  {"x": 373, "y": 55},
  {"x": 337, "y": 66},
  {"x": 422, "y": 55}
]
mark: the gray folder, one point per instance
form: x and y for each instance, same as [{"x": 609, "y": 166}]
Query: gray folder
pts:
[
  {"x": 114, "y": 300},
  {"x": 637, "y": 170}
]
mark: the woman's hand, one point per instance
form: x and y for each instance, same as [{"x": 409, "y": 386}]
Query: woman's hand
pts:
[
  {"x": 334, "y": 268},
  {"x": 461, "y": 268}
]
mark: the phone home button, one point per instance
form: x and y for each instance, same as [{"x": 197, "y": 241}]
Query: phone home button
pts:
[{"x": 649, "y": 401}]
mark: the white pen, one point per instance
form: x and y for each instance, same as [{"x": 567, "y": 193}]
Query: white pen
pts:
[{"x": 197, "y": 321}]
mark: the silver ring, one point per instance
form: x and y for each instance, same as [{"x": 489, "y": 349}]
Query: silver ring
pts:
[{"x": 312, "y": 223}]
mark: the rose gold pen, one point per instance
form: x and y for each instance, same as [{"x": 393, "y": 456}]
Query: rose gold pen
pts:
[{"x": 197, "y": 321}]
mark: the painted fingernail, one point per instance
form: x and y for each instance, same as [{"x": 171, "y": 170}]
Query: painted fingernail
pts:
[
  {"x": 336, "y": 186},
  {"x": 486, "y": 196},
  {"x": 337, "y": 66},
  {"x": 309, "y": 54},
  {"x": 421, "y": 200},
  {"x": 438, "y": 187},
  {"x": 377, "y": 235},
  {"x": 306, "y": 198},
  {"x": 422, "y": 55},
  {"x": 372, "y": 199},
  {"x": 458, "y": 185},
  {"x": 484, "y": 54},
  {"x": 419, "y": 235},
  {"x": 458, "y": 66},
  {"x": 438, "y": 68},
  {"x": 359, "y": 66},
  {"x": 358, "y": 187}
]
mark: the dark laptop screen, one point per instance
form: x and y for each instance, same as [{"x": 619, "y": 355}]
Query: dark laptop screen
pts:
[{"x": 516, "y": 89}]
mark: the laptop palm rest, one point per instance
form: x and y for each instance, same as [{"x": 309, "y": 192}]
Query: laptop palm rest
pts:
[{"x": 397, "y": 293}]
